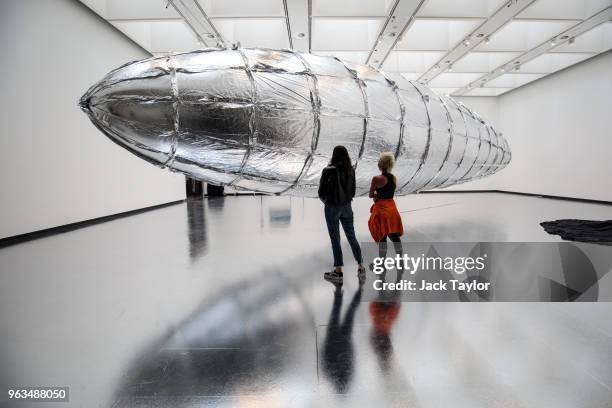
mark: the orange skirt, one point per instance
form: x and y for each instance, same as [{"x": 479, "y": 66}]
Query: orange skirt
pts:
[
  {"x": 383, "y": 316},
  {"x": 385, "y": 219}
]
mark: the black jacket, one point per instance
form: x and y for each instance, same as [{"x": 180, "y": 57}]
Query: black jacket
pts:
[{"x": 337, "y": 187}]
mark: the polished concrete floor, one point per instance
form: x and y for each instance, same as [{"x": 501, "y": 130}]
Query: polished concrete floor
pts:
[{"x": 221, "y": 302}]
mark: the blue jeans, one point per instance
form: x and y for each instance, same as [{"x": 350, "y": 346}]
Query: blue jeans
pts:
[{"x": 334, "y": 216}]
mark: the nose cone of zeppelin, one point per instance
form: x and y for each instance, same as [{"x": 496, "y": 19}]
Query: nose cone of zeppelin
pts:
[
  {"x": 133, "y": 105},
  {"x": 189, "y": 112}
]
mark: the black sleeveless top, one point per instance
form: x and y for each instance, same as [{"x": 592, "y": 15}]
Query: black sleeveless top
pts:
[{"x": 388, "y": 190}]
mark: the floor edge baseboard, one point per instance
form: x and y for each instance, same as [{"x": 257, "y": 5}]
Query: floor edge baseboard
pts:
[
  {"x": 552, "y": 197},
  {"x": 60, "y": 229}
]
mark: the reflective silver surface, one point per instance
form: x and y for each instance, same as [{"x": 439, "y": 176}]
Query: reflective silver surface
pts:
[
  {"x": 221, "y": 302},
  {"x": 267, "y": 120}
]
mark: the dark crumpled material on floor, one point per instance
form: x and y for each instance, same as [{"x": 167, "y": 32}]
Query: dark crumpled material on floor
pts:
[{"x": 580, "y": 230}]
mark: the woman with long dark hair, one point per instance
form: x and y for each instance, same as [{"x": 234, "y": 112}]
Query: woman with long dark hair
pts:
[{"x": 336, "y": 190}]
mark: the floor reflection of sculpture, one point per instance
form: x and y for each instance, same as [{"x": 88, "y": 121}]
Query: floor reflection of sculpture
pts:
[
  {"x": 216, "y": 204},
  {"x": 280, "y": 213},
  {"x": 196, "y": 227},
  {"x": 338, "y": 354},
  {"x": 236, "y": 340}
]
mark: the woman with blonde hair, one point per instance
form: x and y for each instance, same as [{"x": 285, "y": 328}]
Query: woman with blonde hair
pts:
[{"x": 385, "y": 221}]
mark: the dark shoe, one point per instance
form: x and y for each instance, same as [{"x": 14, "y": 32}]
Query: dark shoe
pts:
[{"x": 333, "y": 276}]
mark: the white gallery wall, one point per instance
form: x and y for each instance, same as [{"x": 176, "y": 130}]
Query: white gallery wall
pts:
[
  {"x": 55, "y": 166},
  {"x": 560, "y": 133}
]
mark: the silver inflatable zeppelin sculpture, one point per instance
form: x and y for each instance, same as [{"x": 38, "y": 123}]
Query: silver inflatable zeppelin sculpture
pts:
[{"x": 267, "y": 120}]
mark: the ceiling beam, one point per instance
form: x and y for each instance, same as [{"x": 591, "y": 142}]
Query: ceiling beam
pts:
[
  {"x": 298, "y": 24},
  {"x": 497, "y": 20},
  {"x": 561, "y": 38},
  {"x": 398, "y": 22},
  {"x": 197, "y": 20}
]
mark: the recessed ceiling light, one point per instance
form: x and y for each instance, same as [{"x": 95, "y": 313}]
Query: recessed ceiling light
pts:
[
  {"x": 301, "y": 35},
  {"x": 565, "y": 37},
  {"x": 553, "y": 42}
]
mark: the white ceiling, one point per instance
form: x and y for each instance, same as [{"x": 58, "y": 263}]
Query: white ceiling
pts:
[{"x": 351, "y": 29}]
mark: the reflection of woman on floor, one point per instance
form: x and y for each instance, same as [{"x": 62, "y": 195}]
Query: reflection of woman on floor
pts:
[
  {"x": 338, "y": 355},
  {"x": 383, "y": 316},
  {"x": 336, "y": 190},
  {"x": 384, "y": 312},
  {"x": 385, "y": 220}
]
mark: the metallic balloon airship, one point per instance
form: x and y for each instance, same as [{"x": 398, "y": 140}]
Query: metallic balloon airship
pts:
[{"x": 267, "y": 120}]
